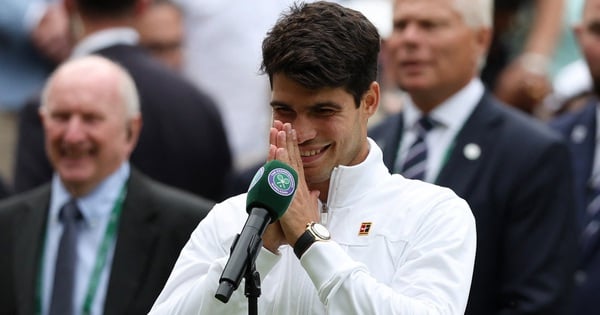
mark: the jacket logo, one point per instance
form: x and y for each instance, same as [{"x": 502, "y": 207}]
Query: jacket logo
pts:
[{"x": 365, "y": 227}]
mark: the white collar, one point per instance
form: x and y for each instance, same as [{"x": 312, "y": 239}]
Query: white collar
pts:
[
  {"x": 453, "y": 112},
  {"x": 105, "y": 38},
  {"x": 350, "y": 183}
]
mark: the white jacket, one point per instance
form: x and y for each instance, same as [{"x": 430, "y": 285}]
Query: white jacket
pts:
[{"x": 417, "y": 257}]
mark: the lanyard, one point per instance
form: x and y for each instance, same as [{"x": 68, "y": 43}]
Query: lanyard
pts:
[
  {"x": 101, "y": 256},
  {"x": 109, "y": 236}
]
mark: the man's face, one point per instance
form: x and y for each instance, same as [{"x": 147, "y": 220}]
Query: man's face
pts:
[
  {"x": 161, "y": 32},
  {"x": 433, "y": 52},
  {"x": 331, "y": 130},
  {"x": 588, "y": 34},
  {"x": 87, "y": 135}
]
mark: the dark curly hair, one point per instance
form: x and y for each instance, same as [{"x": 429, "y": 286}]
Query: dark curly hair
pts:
[
  {"x": 109, "y": 8},
  {"x": 323, "y": 44}
]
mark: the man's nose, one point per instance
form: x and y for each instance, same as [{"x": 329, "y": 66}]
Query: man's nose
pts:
[
  {"x": 304, "y": 128},
  {"x": 74, "y": 131}
]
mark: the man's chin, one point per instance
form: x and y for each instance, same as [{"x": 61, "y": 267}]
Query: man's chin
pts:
[{"x": 74, "y": 176}]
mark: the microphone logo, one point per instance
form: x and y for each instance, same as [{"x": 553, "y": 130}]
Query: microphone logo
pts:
[
  {"x": 257, "y": 177},
  {"x": 281, "y": 181}
]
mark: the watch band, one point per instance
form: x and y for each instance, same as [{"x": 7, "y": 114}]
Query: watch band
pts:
[{"x": 303, "y": 243}]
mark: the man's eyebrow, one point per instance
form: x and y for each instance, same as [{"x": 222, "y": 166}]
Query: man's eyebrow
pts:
[
  {"x": 277, "y": 103},
  {"x": 316, "y": 105}
]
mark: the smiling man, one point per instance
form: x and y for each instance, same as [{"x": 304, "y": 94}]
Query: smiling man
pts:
[
  {"x": 512, "y": 170},
  {"x": 101, "y": 238},
  {"x": 355, "y": 239}
]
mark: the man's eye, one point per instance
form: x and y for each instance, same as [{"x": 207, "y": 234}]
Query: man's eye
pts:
[
  {"x": 282, "y": 110},
  {"x": 325, "y": 111},
  {"x": 60, "y": 116}
]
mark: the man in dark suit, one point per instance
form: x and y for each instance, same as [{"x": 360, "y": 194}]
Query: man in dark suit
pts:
[
  {"x": 183, "y": 142},
  {"x": 125, "y": 230},
  {"x": 580, "y": 129},
  {"x": 513, "y": 171}
]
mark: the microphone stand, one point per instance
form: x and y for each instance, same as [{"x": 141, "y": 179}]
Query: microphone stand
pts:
[{"x": 252, "y": 287}]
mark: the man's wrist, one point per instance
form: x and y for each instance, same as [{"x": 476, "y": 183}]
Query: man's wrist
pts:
[{"x": 314, "y": 232}]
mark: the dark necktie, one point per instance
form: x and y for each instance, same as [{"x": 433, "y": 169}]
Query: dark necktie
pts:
[
  {"x": 64, "y": 272},
  {"x": 415, "y": 162}
]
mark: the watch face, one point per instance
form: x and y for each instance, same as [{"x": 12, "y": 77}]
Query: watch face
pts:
[{"x": 321, "y": 231}]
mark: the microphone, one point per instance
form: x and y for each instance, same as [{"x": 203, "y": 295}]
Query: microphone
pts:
[{"x": 270, "y": 194}]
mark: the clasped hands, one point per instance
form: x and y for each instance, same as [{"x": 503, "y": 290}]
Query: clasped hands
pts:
[{"x": 283, "y": 146}]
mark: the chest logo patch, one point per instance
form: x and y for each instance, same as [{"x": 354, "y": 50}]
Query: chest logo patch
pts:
[{"x": 365, "y": 227}]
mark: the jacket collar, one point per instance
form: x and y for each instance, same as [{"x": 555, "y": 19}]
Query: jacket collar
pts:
[{"x": 350, "y": 183}]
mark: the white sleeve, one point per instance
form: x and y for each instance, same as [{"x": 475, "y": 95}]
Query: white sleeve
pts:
[
  {"x": 435, "y": 277},
  {"x": 192, "y": 285}
]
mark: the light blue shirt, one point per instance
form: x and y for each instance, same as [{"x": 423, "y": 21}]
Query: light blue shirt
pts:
[{"x": 96, "y": 208}]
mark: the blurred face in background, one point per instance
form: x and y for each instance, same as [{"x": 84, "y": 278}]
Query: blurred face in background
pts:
[
  {"x": 87, "y": 129},
  {"x": 161, "y": 32},
  {"x": 433, "y": 52},
  {"x": 588, "y": 35}
]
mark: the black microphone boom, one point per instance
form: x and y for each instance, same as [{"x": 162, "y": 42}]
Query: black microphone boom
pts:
[
  {"x": 269, "y": 196},
  {"x": 246, "y": 246}
]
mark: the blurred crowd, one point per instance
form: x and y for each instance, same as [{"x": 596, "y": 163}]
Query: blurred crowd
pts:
[{"x": 534, "y": 63}]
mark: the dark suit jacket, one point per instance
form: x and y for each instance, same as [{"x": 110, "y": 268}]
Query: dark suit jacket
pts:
[
  {"x": 4, "y": 189},
  {"x": 182, "y": 143},
  {"x": 155, "y": 224},
  {"x": 521, "y": 194},
  {"x": 579, "y": 129}
]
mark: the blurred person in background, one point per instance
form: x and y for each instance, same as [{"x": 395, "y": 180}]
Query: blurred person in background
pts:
[
  {"x": 513, "y": 170},
  {"x": 183, "y": 142},
  {"x": 34, "y": 38},
  {"x": 526, "y": 36},
  {"x": 222, "y": 57},
  {"x": 161, "y": 31},
  {"x": 581, "y": 128},
  {"x": 101, "y": 237}
]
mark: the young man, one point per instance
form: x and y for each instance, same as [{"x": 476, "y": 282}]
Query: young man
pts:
[
  {"x": 396, "y": 246},
  {"x": 512, "y": 170},
  {"x": 126, "y": 230}
]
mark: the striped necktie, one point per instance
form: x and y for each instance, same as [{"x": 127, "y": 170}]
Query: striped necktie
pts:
[
  {"x": 415, "y": 163},
  {"x": 64, "y": 272}
]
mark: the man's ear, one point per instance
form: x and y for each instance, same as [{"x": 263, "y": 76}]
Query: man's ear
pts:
[
  {"x": 134, "y": 128},
  {"x": 371, "y": 99}
]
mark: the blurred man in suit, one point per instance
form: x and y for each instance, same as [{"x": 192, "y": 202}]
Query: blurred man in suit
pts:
[
  {"x": 129, "y": 229},
  {"x": 513, "y": 171},
  {"x": 183, "y": 142},
  {"x": 581, "y": 130}
]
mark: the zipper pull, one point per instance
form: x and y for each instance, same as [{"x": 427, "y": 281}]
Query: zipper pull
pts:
[{"x": 324, "y": 214}]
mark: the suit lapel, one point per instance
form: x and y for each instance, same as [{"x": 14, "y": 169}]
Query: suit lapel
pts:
[
  {"x": 137, "y": 233},
  {"x": 29, "y": 230},
  {"x": 583, "y": 145},
  {"x": 469, "y": 148},
  {"x": 388, "y": 135}
]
